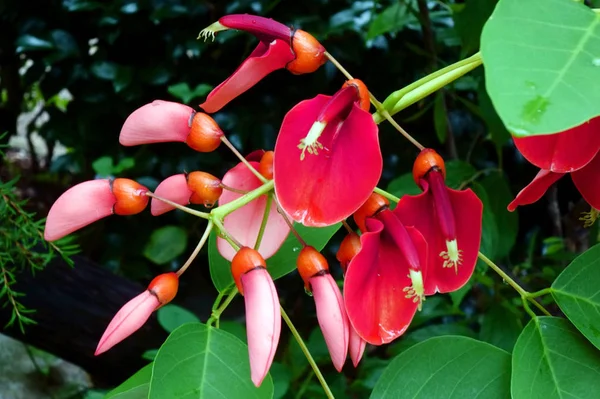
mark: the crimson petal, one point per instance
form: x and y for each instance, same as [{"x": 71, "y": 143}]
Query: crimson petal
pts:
[
  {"x": 536, "y": 189},
  {"x": 419, "y": 211},
  {"x": 323, "y": 189},
  {"x": 562, "y": 152},
  {"x": 587, "y": 181},
  {"x": 376, "y": 304},
  {"x": 265, "y": 59}
]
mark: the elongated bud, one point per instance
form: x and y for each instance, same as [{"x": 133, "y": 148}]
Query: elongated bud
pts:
[
  {"x": 244, "y": 261},
  {"x": 131, "y": 197},
  {"x": 375, "y": 204},
  {"x": 363, "y": 92},
  {"x": 265, "y": 167},
  {"x": 205, "y": 187},
  {"x": 310, "y": 54},
  {"x": 349, "y": 247},
  {"x": 311, "y": 263},
  {"x": 136, "y": 312},
  {"x": 426, "y": 161},
  {"x": 205, "y": 135}
]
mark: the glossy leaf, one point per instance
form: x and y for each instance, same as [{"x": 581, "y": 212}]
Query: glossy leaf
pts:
[
  {"x": 198, "y": 361},
  {"x": 449, "y": 367},
  {"x": 542, "y": 63},
  {"x": 136, "y": 386},
  {"x": 166, "y": 244},
  {"x": 172, "y": 316},
  {"x": 435, "y": 330},
  {"x": 280, "y": 264},
  {"x": 552, "y": 360},
  {"x": 577, "y": 292}
]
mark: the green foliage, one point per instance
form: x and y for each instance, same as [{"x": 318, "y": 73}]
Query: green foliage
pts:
[
  {"x": 166, "y": 244},
  {"x": 136, "y": 386},
  {"x": 171, "y": 317}
]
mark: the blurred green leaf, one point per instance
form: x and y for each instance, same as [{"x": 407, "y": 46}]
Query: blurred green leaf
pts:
[
  {"x": 183, "y": 92},
  {"x": 469, "y": 22},
  {"x": 172, "y": 316},
  {"x": 281, "y": 379},
  {"x": 32, "y": 43},
  {"x": 392, "y": 19},
  {"x": 500, "y": 327},
  {"x": 440, "y": 117},
  {"x": 103, "y": 166},
  {"x": 166, "y": 244},
  {"x": 136, "y": 386},
  {"x": 403, "y": 185},
  {"x": 235, "y": 328},
  {"x": 104, "y": 70}
]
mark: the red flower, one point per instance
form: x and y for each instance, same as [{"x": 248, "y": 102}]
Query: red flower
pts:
[
  {"x": 575, "y": 151},
  {"x": 450, "y": 220},
  {"x": 383, "y": 285},
  {"x": 327, "y": 157},
  {"x": 280, "y": 47}
]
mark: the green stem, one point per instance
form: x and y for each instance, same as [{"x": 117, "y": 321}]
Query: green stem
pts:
[
  {"x": 263, "y": 224},
  {"x": 539, "y": 293},
  {"x": 216, "y": 314},
  {"x": 386, "y": 194},
  {"x": 527, "y": 308},
  {"x": 243, "y": 160},
  {"x": 306, "y": 352},
  {"x": 217, "y": 301},
  {"x": 201, "y": 243},
  {"x": 226, "y": 209},
  {"x": 191, "y": 211},
  {"x": 226, "y": 236}
]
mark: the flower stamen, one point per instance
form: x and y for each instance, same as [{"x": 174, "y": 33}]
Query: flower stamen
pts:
[
  {"x": 211, "y": 30},
  {"x": 589, "y": 218},
  {"x": 416, "y": 291},
  {"x": 311, "y": 142},
  {"x": 453, "y": 256}
]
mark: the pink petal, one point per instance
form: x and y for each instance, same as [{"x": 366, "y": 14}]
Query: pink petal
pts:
[
  {"x": 419, "y": 211},
  {"x": 157, "y": 122},
  {"x": 536, "y": 189},
  {"x": 587, "y": 181},
  {"x": 265, "y": 59},
  {"x": 174, "y": 188},
  {"x": 244, "y": 223},
  {"x": 263, "y": 321},
  {"x": 332, "y": 317},
  {"x": 79, "y": 206},
  {"x": 375, "y": 279},
  {"x": 562, "y": 152},
  {"x": 356, "y": 347},
  {"x": 323, "y": 189},
  {"x": 128, "y": 320}
]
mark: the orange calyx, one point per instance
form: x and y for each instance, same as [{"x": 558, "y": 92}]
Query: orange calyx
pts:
[
  {"x": 164, "y": 287},
  {"x": 310, "y": 263},
  {"x": 426, "y": 161},
  {"x": 244, "y": 261},
  {"x": 310, "y": 54},
  {"x": 205, "y": 187},
  {"x": 265, "y": 167},
  {"x": 205, "y": 135},
  {"x": 363, "y": 92},
  {"x": 375, "y": 204},
  {"x": 131, "y": 196},
  {"x": 349, "y": 247}
]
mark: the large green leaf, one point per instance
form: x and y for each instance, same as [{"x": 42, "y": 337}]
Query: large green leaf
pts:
[
  {"x": 500, "y": 327},
  {"x": 447, "y": 367},
  {"x": 577, "y": 292},
  {"x": 435, "y": 330},
  {"x": 198, "y": 361},
  {"x": 542, "y": 64},
  {"x": 552, "y": 360},
  {"x": 280, "y": 264},
  {"x": 136, "y": 386},
  {"x": 166, "y": 244}
]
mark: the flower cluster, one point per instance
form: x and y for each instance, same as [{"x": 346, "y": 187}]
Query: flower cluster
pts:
[{"x": 324, "y": 169}]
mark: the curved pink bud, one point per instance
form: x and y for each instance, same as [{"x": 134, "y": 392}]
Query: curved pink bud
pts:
[
  {"x": 263, "y": 321},
  {"x": 79, "y": 206},
  {"x": 157, "y": 122},
  {"x": 536, "y": 189},
  {"x": 419, "y": 211},
  {"x": 356, "y": 347},
  {"x": 128, "y": 320},
  {"x": 375, "y": 286},
  {"x": 326, "y": 187},
  {"x": 244, "y": 223},
  {"x": 173, "y": 188},
  {"x": 562, "y": 152},
  {"x": 332, "y": 317},
  {"x": 265, "y": 59},
  {"x": 587, "y": 181}
]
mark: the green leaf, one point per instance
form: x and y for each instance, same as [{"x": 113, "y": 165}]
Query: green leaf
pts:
[
  {"x": 104, "y": 70},
  {"x": 448, "y": 367},
  {"x": 280, "y": 264},
  {"x": 499, "y": 196},
  {"x": 32, "y": 43},
  {"x": 136, "y": 386},
  {"x": 500, "y": 327},
  {"x": 458, "y": 173},
  {"x": 403, "y": 185},
  {"x": 542, "y": 63},
  {"x": 424, "y": 333},
  {"x": 281, "y": 379},
  {"x": 166, "y": 244},
  {"x": 233, "y": 327},
  {"x": 392, "y": 19},
  {"x": 577, "y": 292},
  {"x": 172, "y": 316},
  {"x": 552, "y": 360},
  {"x": 440, "y": 118},
  {"x": 495, "y": 126},
  {"x": 489, "y": 231},
  {"x": 183, "y": 92},
  {"x": 103, "y": 166},
  {"x": 198, "y": 361},
  {"x": 469, "y": 22}
]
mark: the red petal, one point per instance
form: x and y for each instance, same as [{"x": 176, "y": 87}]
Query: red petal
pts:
[
  {"x": 373, "y": 289},
  {"x": 79, "y": 206},
  {"x": 563, "y": 152},
  {"x": 587, "y": 181},
  {"x": 536, "y": 189},
  {"x": 173, "y": 188},
  {"x": 265, "y": 59},
  {"x": 323, "y": 189},
  {"x": 244, "y": 223},
  {"x": 418, "y": 211},
  {"x": 157, "y": 122}
]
